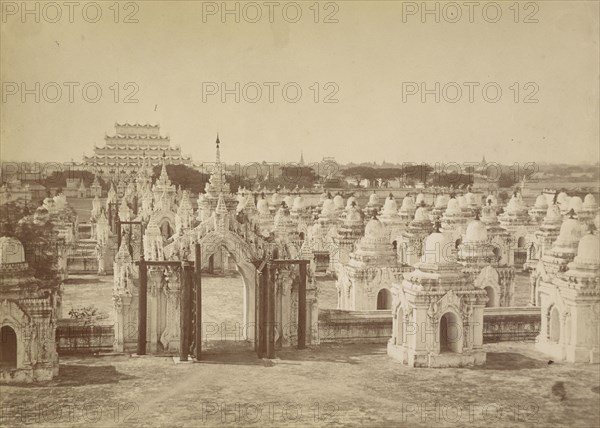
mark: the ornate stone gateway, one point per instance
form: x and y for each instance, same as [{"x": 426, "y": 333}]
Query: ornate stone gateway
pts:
[
  {"x": 264, "y": 324},
  {"x": 158, "y": 304}
]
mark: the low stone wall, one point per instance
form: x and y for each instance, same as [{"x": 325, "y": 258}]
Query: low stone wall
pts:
[
  {"x": 511, "y": 324},
  {"x": 87, "y": 337},
  {"x": 499, "y": 325},
  {"x": 339, "y": 326},
  {"x": 82, "y": 265},
  {"x": 335, "y": 326}
]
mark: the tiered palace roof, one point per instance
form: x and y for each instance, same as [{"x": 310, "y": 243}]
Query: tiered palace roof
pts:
[{"x": 126, "y": 150}]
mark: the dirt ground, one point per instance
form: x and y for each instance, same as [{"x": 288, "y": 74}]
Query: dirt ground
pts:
[{"x": 353, "y": 385}]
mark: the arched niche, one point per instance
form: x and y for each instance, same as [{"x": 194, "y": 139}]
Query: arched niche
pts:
[{"x": 450, "y": 333}]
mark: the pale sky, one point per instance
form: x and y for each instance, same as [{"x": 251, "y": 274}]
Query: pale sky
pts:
[{"x": 368, "y": 55}]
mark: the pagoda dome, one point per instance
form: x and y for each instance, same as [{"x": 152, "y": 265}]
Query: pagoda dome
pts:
[
  {"x": 514, "y": 206},
  {"x": 289, "y": 200},
  {"x": 375, "y": 229},
  {"x": 353, "y": 215},
  {"x": 437, "y": 249},
  {"x": 562, "y": 198},
  {"x": 570, "y": 231},
  {"x": 491, "y": 198},
  {"x": 282, "y": 217},
  {"x": 298, "y": 203},
  {"x": 575, "y": 204},
  {"x": 407, "y": 203},
  {"x": 338, "y": 201},
  {"x": 453, "y": 207},
  {"x": 488, "y": 214},
  {"x": 540, "y": 202},
  {"x": 589, "y": 201},
  {"x": 373, "y": 199},
  {"x": 350, "y": 200},
  {"x": 420, "y": 198},
  {"x": 275, "y": 199},
  {"x": 262, "y": 206},
  {"x": 390, "y": 207},
  {"x": 462, "y": 201},
  {"x": 441, "y": 201},
  {"x": 328, "y": 208},
  {"x": 11, "y": 251},
  {"x": 588, "y": 250},
  {"x": 471, "y": 199},
  {"x": 476, "y": 232},
  {"x": 421, "y": 214}
]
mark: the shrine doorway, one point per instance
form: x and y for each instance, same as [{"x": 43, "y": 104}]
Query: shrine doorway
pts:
[
  {"x": 384, "y": 299},
  {"x": 8, "y": 350},
  {"x": 450, "y": 333}
]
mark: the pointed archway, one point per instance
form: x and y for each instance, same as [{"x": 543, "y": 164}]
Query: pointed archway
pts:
[
  {"x": 450, "y": 337},
  {"x": 243, "y": 256}
]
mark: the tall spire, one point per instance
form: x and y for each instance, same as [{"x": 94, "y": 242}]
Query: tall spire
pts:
[
  {"x": 164, "y": 176},
  {"x": 301, "y": 158},
  {"x": 218, "y": 149}
]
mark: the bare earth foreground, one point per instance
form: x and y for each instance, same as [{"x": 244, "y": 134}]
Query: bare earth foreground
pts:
[{"x": 328, "y": 385}]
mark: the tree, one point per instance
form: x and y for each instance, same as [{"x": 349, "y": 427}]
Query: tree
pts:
[
  {"x": 503, "y": 197},
  {"x": 40, "y": 241},
  {"x": 58, "y": 179},
  {"x": 182, "y": 175},
  {"x": 412, "y": 173},
  {"x": 291, "y": 176},
  {"x": 506, "y": 180},
  {"x": 194, "y": 181},
  {"x": 360, "y": 173},
  {"x": 455, "y": 180}
]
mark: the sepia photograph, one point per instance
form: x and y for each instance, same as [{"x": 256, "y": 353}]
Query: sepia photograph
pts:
[{"x": 310, "y": 213}]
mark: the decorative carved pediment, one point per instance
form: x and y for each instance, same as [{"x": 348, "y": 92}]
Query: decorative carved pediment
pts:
[
  {"x": 488, "y": 277},
  {"x": 13, "y": 313},
  {"x": 557, "y": 300},
  {"x": 450, "y": 300}
]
